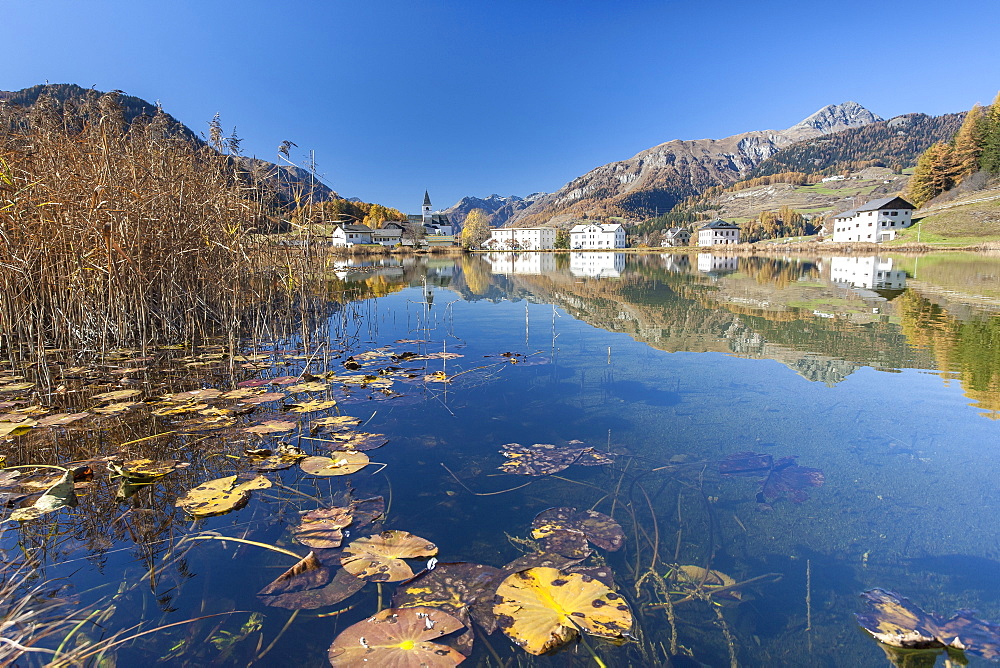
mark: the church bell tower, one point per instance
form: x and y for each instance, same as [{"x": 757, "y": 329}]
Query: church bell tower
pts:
[{"x": 425, "y": 210}]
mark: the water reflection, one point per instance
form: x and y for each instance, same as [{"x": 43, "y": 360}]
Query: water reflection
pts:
[{"x": 597, "y": 265}]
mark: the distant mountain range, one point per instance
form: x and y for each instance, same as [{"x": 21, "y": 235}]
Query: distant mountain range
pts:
[
  {"x": 501, "y": 209},
  {"x": 655, "y": 179},
  {"x": 294, "y": 183}
]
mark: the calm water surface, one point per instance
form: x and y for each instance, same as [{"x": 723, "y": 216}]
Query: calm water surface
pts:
[{"x": 881, "y": 372}]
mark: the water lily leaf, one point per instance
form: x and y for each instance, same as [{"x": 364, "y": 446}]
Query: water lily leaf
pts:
[
  {"x": 538, "y": 459},
  {"x": 308, "y": 573},
  {"x": 379, "y": 558},
  {"x": 452, "y": 587},
  {"x": 572, "y": 544},
  {"x": 590, "y": 456},
  {"x": 16, "y": 428},
  {"x": 322, "y": 528},
  {"x": 541, "y": 609},
  {"x": 264, "y": 398},
  {"x": 242, "y": 393},
  {"x": 341, "y": 462},
  {"x": 336, "y": 423},
  {"x": 342, "y": 586},
  {"x": 367, "y": 511},
  {"x": 111, "y": 409},
  {"x": 284, "y": 457},
  {"x": 437, "y": 377},
  {"x": 600, "y": 529},
  {"x": 207, "y": 393},
  {"x": 360, "y": 441},
  {"x": 61, "y": 419},
  {"x": 219, "y": 496},
  {"x": 207, "y": 423},
  {"x": 117, "y": 395},
  {"x": 397, "y": 637},
  {"x": 145, "y": 470},
  {"x": 189, "y": 406},
  {"x": 60, "y": 495},
  {"x": 271, "y": 427},
  {"x": 311, "y": 386},
  {"x": 310, "y": 406},
  {"x": 16, "y": 387},
  {"x": 285, "y": 380}
]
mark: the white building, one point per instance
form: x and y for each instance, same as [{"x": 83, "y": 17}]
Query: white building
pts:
[
  {"x": 434, "y": 224},
  {"x": 521, "y": 263},
  {"x": 718, "y": 232},
  {"x": 521, "y": 238},
  {"x": 597, "y": 265},
  {"x": 709, "y": 263},
  {"x": 873, "y": 222},
  {"x": 872, "y": 272},
  {"x": 676, "y": 236},
  {"x": 594, "y": 235},
  {"x": 350, "y": 235}
]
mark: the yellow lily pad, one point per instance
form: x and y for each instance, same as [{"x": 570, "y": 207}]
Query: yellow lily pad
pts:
[
  {"x": 310, "y": 406},
  {"x": 117, "y": 395},
  {"x": 341, "y": 462},
  {"x": 336, "y": 423},
  {"x": 379, "y": 558},
  {"x": 111, "y": 409},
  {"x": 311, "y": 386},
  {"x": 541, "y": 609},
  {"x": 271, "y": 427},
  {"x": 16, "y": 428},
  {"x": 219, "y": 496}
]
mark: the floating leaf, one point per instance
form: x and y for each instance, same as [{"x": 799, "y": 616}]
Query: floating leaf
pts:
[
  {"x": 16, "y": 387},
  {"x": 61, "y": 419},
  {"x": 60, "y": 495},
  {"x": 437, "y": 377},
  {"x": 284, "y": 457},
  {"x": 379, "y": 558},
  {"x": 242, "y": 393},
  {"x": 360, "y": 441},
  {"x": 145, "y": 470},
  {"x": 341, "y": 462},
  {"x": 189, "y": 406},
  {"x": 397, "y": 637},
  {"x": 207, "y": 423},
  {"x": 538, "y": 459},
  {"x": 310, "y": 406},
  {"x": 692, "y": 579},
  {"x": 600, "y": 529},
  {"x": 207, "y": 393},
  {"x": 117, "y": 395},
  {"x": 217, "y": 497},
  {"x": 111, "y": 409},
  {"x": 271, "y": 427},
  {"x": 264, "y": 398},
  {"x": 541, "y": 609},
  {"x": 452, "y": 587},
  {"x": 894, "y": 620},
  {"x": 343, "y": 585},
  {"x": 311, "y": 386},
  {"x": 322, "y": 528},
  {"x": 16, "y": 428},
  {"x": 336, "y": 423},
  {"x": 308, "y": 573}
]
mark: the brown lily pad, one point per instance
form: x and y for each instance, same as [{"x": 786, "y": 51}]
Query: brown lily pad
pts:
[
  {"x": 341, "y": 462},
  {"x": 322, "y": 528},
  {"x": 379, "y": 558},
  {"x": 600, "y": 529},
  {"x": 538, "y": 459},
  {"x": 401, "y": 638}
]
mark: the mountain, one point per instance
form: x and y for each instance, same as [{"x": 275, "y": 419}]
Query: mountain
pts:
[
  {"x": 292, "y": 183},
  {"x": 500, "y": 208},
  {"x": 657, "y": 178}
]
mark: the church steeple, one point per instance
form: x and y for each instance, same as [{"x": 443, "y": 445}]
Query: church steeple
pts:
[{"x": 425, "y": 210}]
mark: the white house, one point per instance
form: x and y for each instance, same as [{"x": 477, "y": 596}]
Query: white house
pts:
[
  {"x": 389, "y": 235},
  {"x": 872, "y": 272},
  {"x": 522, "y": 238},
  {"x": 875, "y": 221},
  {"x": 676, "y": 236},
  {"x": 349, "y": 235},
  {"x": 597, "y": 265},
  {"x": 594, "y": 235},
  {"x": 718, "y": 232}
]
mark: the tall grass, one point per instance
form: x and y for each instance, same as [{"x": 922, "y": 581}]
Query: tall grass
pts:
[{"x": 124, "y": 234}]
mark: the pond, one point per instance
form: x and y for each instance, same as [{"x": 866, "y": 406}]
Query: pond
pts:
[{"x": 737, "y": 449}]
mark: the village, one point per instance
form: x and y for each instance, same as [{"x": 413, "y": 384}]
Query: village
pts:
[{"x": 875, "y": 221}]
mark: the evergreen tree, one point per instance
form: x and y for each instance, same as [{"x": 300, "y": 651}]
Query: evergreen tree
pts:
[{"x": 990, "y": 157}]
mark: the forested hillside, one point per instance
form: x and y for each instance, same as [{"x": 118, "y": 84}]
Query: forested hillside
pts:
[{"x": 895, "y": 143}]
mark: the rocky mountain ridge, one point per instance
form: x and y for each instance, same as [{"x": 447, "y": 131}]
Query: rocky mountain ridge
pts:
[
  {"x": 652, "y": 181},
  {"x": 500, "y": 208}
]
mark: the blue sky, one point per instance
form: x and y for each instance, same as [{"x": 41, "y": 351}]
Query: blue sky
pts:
[{"x": 468, "y": 97}]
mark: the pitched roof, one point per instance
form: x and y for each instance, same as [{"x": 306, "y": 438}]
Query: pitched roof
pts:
[
  {"x": 427, "y": 199},
  {"x": 720, "y": 225},
  {"x": 674, "y": 231},
  {"x": 846, "y": 214},
  {"x": 356, "y": 228},
  {"x": 885, "y": 203},
  {"x": 611, "y": 227}
]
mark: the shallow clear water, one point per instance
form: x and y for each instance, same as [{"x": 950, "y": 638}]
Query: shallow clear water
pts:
[{"x": 883, "y": 373}]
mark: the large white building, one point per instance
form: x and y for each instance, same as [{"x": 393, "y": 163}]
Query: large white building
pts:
[
  {"x": 521, "y": 238},
  {"x": 872, "y": 272},
  {"x": 876, "y": 221},
  {"x": 594, "y": 235},
  {"x": 718, "y": 232}
]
